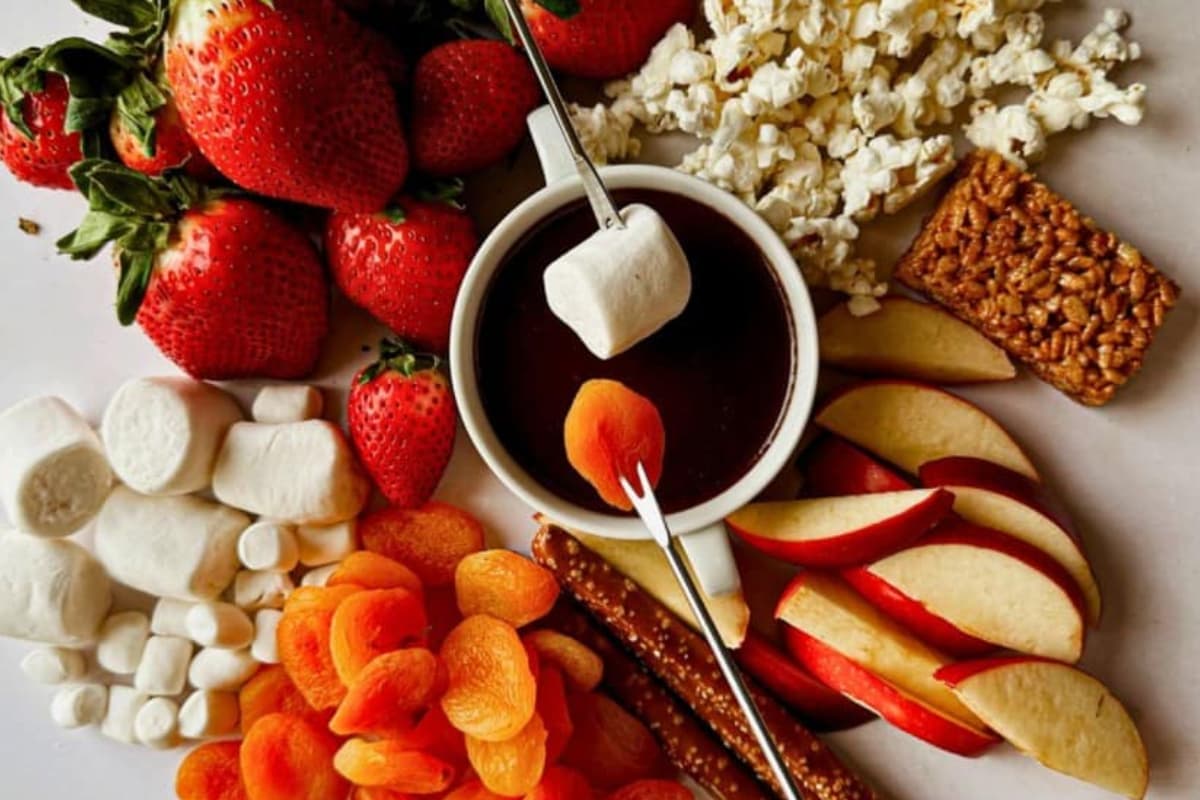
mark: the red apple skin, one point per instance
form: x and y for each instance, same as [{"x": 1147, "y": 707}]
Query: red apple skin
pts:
[
  {"x": 906, "y": 713},
  {"x": 821, "y": 707},
  {"x": 834, "y": 467},
  {"x": 919, "y": 621},
  {"x": 954, "y": 674},
  {"x": 856, "y": 547}
]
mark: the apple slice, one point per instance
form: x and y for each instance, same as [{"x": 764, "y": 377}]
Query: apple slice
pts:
[
  {"x": 908, "y": 339},
  {"x": 998, "y": 498},
  {"x": 909, "y": 424},
  {"x": 885, "y": 698},
  {"x": 986, "y": 585},
  {"x": 1059, "y": 715},
  {"x": 840, "y": 531},
  {"x": 825, "y": 608},
  {"x": 834, "y": 467}
]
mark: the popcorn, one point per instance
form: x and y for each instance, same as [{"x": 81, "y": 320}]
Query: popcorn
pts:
[{"x": 1013, "y": 131}]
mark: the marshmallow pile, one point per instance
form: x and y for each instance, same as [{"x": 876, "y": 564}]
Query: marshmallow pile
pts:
[{"x": 174, "y": 482}]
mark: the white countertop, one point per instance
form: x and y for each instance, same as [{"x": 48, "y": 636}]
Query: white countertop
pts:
[{"x": 1128, "y": 472}]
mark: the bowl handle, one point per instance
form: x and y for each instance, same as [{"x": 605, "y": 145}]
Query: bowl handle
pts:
[
  {"x": 711, "y": 559},
  {"x": 552, "y": 151}
]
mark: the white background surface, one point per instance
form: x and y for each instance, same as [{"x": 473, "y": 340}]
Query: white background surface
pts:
[{"x": 1129, "y": 472}]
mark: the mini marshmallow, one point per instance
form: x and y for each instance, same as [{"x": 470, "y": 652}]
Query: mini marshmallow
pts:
[
  {"x": 162, "y": 434},
  {"x": 170, "y": 617},
  {"x": 157, "y": 723},
  {"x": 53, "y": 665},
  {"x": 219, "y": 625},
  {"x": 263, "y": 648},
  {"x": 180, "y": 547},
  {"x": 319, "y": 576},
  {"x": 51, "y": 591},
  {"x": 206, "y": 714},
  {"x": 288, "y": 403},
  {"x": 123, "y": 637},
  {"x": 325, "y": 544},
  {"x": 53, "y": 473},
  {"x": 79, "y": 705},
  {"x": 123, "y": 705},
  {"x": 164, "y": 666},
  {"x": 619, "y": 286},
  {"x": 302, "y": 472},
  {"x": 255, "y": 590},
  {"x": 219, "y": 670},
  {"x": 267, "y": 545}
]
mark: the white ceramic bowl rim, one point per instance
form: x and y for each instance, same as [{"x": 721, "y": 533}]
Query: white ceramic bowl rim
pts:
[{"x": 463, "y": 337}]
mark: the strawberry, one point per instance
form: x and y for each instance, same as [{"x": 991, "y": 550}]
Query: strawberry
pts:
[
  {"x": 169, "y": 144},
  {"x": 222, "y": 285},
  {"x": 281, "y": 100},
  {"x": 404, "y": 266},
  {"x": 402, "y": 423},
  {"x": 470, "y": 100}
]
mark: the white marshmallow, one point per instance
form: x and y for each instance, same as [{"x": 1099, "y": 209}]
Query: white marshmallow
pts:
[
  {"x": 302, "y": 472},
  {"x": 164, "y": 666},
  {"x": 157, "y": 723},
  {"x": 53, "y": 474},
  {"x": 181, "y": 547},
  {"x": 124, "y": 704},
  {"x": 288, "y": 403},
  {"x": 205, "y": 714},
  {"x": 79, "y": 705},
  {"x": 219, "y": 625},
  {"x": 319, "y": 576},
  {"x": 263, "y": 648},
  {"x": 618, "y": 286},
  {"x": 325, "y": 544},
  {"x": 218, "y": 670},
  {"x": 267, "y": 545},
  {"x": 170, "y": 617},
  {"x": 162, "y": 434},
  {"x": 255, "y": 590},
  {"x": 53, "y": 665},
  {"x": 123, "y": 637},
  {"x": 51, "y": 591}
]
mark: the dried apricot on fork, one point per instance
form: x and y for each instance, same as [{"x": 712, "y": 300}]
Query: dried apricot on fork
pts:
[{"x": 491, "y": 690}]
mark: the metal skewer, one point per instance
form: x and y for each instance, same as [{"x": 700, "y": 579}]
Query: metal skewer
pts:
[{"x": 646, "y": 505}]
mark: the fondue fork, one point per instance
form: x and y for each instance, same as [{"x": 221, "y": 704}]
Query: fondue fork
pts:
[{"x": 647, "y": 507}]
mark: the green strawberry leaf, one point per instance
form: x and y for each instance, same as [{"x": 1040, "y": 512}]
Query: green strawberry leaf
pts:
[
  {"x": 137, "y": 267},
  {"x": 442, "y": 190},
  {"x": 497, "y": 11},
  {"x": 115, "y": 188},
  {"x": 563, "y": 9},
  {"x": 137, "y": 105},
  {"x": 396, "y": 355},
  {"x": 395, "y": 215},
  {"x": 126, "y": 13},
  {"x": 97, "y": 229}
]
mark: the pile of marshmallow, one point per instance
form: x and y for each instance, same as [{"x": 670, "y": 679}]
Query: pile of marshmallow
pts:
[{"x": 171, "y": 483}]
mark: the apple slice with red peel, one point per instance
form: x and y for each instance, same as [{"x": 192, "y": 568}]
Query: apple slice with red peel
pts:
[
  {"x": 840, "y": 531},
  {"x": 1057, "y": 714},
  {"x": 998, "y": 498},
  {"x": 986, "y": 585},
  {"x": 823, "y": 708},
  {"x": 909, "y": 424},
  {"x": 908, "y": 339},
  {"x": 834, "y": 467},
  {"x": 884, "y": 698}
]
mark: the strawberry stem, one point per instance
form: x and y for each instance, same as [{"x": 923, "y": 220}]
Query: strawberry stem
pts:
[{"x": 396, "y": 355}]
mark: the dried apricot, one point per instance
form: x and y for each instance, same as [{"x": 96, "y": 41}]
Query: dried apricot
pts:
[
  {"x": 379, "y": 793},
  {"x": 473, "y": 790},
  {"x": 288, "y": 758},
  {"x": 387, "y": 694},
  {"x": 610, "y": 746},
  {"x": 582, "y": 668},
  {"x": 318, "y": 598},
  {"x": 552, "y": 706},
  {"x": 514, "y": 766},
  {"x": 430, "y": 540},
  {"x": 505, "y": 585},
  {"x": 491, "y": 690},
  {"x": 374, "y": 571},
  {"x": 211, "y": 772},
  {"x": 435, "y": 735},
  {"x": 562, "y": 783},
  {"x": 373, "y": 622},
  {"x": 271, "y": 691},
  {"x": 608, "y": 430},
  {"x": 303, "y": 641},
  {"x": 390, "y": 765},
  {"x": 652, "y": 790}
]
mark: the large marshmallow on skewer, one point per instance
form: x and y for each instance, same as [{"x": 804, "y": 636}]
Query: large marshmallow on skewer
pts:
[
  {"x": 621, "y": 285},
  {"x": 51, "y": 591},
  {"x": 53, "y": 473},
  {"x": 302, "y": 472},
  {"x": 181, "y": 547},
  {"x": 162, "y": 434}
]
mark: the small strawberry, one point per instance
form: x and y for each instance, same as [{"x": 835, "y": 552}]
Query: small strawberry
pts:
[
  {"x": 402, "y": 423},
  {"x": 167, "y": 145},
  {"x": 223, "y": 286},
  {"x": 470, "y": 100},
  {"x": 404, "y": 266}
]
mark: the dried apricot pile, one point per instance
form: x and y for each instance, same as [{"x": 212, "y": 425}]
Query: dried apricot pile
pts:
[{"x": 406, "y": 675}]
